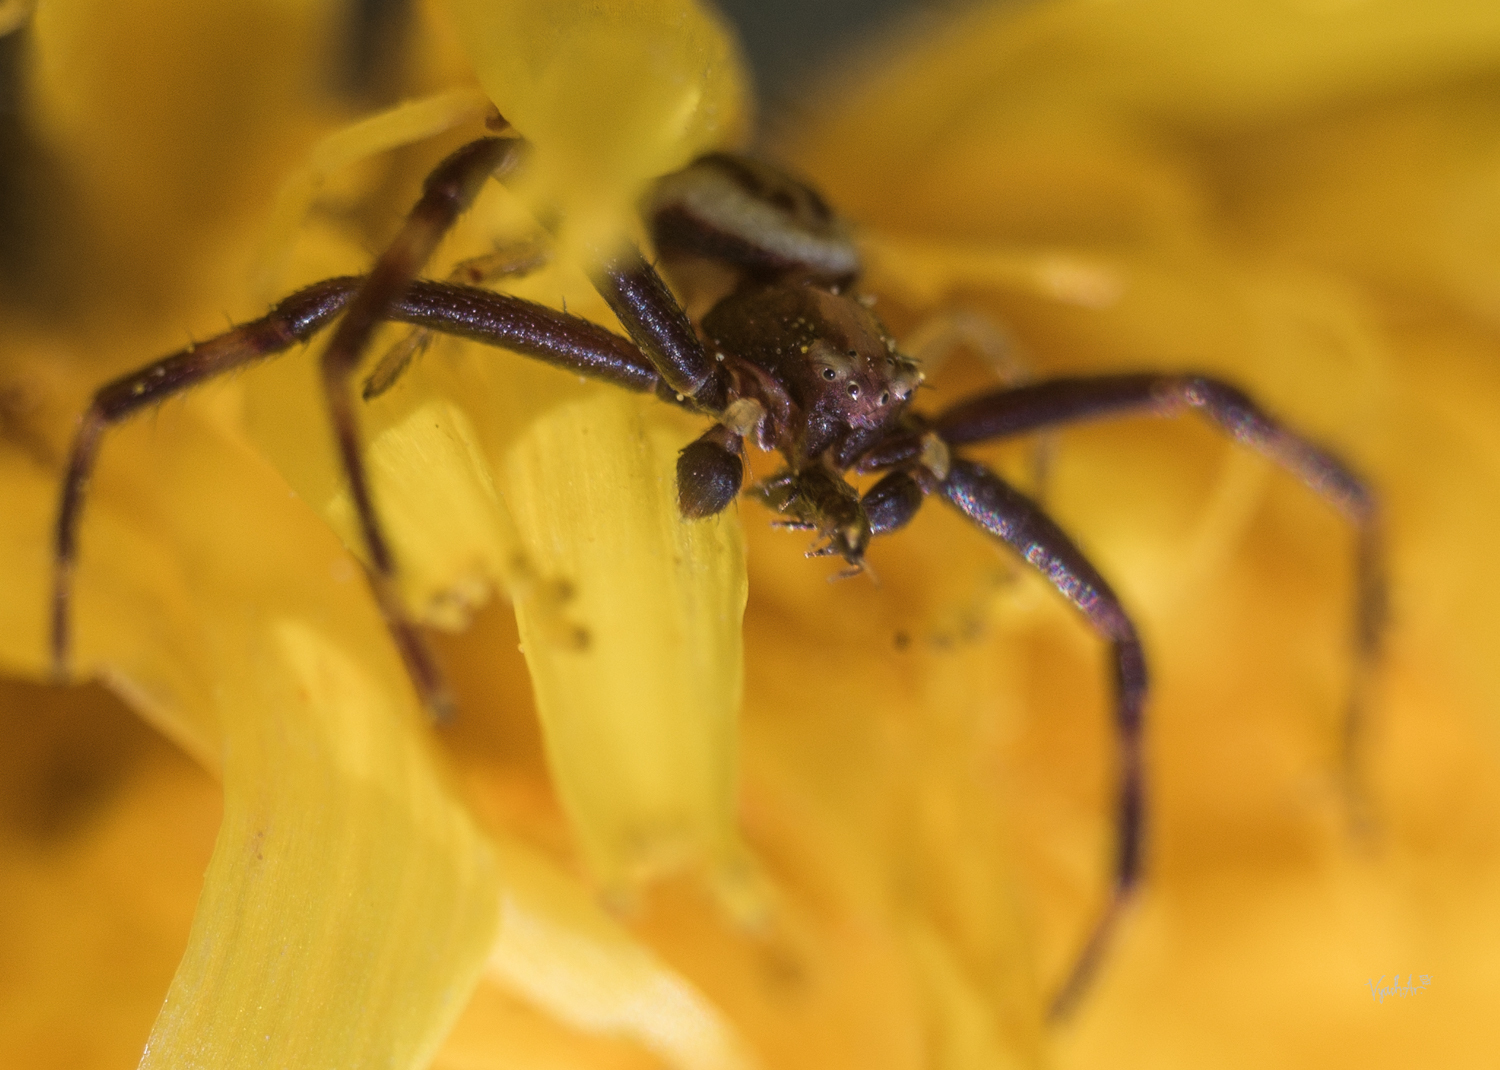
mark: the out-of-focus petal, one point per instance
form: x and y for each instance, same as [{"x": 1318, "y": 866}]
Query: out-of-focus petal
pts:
[
  {"x": 559, "y": 949},
  {"x": 350, "y": 902},
  {"x": 612, "y": 95},
  {"x": 1300, "y": 197}
]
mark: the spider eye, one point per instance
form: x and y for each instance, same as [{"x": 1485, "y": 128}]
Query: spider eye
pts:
[
  {"x": 854, "y": 391},
  {"x": 830, "y": 374},
  {"x": 885, "y": 397}
]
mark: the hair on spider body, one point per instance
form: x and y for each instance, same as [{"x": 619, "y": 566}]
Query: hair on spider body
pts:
[{"x": 782, "y": 351}]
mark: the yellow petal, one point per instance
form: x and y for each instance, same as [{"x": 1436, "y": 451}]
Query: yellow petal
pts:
[
  {"x": 644, "y": 758},
  {"x": 1298, "y": 195},
  {"x": 563, "y": 953},
  {"x": 350, "y": 902},
  {"x": 611, "y": 95}
]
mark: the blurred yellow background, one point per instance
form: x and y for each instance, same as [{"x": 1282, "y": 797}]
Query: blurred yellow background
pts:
[{"x": 1302, "y": 197}]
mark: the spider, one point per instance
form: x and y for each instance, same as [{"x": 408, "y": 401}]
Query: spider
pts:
[{"x": 788, "y": 355}]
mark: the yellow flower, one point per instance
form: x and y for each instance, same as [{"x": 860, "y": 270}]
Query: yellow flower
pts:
[{"x": 1304, "y": 199}]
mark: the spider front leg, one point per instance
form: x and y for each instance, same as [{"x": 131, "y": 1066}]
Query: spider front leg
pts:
[
  {"x": 293, "y": 320},
  {"x": 1050, "y": 403},
  {"x": 1016, "y": 520},
  {"x": 565, "y": 341},
  {"x": 511, "y": 262},
  {"x": 946, "y": 332},
  {"x": 656, "y": 322},
  {"x": 724, "y": 219},
  {"x": 1020, "y": 523}
]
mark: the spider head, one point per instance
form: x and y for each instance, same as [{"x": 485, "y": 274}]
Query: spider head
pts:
[
  {"x": 856, "y": 383},
  {"x": 831, "y": 359},
  {"x": 865, "y": 385}
]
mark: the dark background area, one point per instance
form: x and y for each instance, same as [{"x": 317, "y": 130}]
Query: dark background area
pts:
[{"x": 790, "y": 41}]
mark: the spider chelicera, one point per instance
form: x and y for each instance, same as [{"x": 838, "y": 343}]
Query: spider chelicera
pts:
[{"x": 789, "y": 356}]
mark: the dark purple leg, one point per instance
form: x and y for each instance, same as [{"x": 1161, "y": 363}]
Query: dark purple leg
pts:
[
  {"x": 1053, "y": 402},
  {"x": 1059, "y": 401},
  {"x": 568, "y": 342},
  {"x": 1015, "y": 519},
  {"x": 448, "y": 191},
  {"x": 656, "y": 322},
  {"x": 292, "y": 320},
  {"x": 749, "y": 219},
  {"x": 514, "y": 262}
]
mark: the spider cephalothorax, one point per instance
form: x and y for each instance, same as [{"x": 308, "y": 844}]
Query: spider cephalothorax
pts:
[
  {"x": 769, "y": 339},
  {"x": 816, "y": 378},
  {"x": 821, "y": 364}
]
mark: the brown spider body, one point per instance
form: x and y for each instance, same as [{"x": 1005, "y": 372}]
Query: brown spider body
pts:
[
  {"x": 820, "y": 362},
  {"x": 783, "y": 353},
  {"x": 813, "y": 374}
]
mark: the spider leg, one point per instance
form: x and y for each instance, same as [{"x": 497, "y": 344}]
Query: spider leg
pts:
[
  {"x": 1054, "y": 402},
  {"x": 1019, "y": 522},
  {"x": 405, "y": 124},
  {"x": 941, "y": 335},
  {"x": 574, "y": 344},
  {"x": 655, "y": 321},
  {"x": 291, "y": 321},
  {"x": 507, "y": 263},
  {"x": 448, "y": 191}
]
